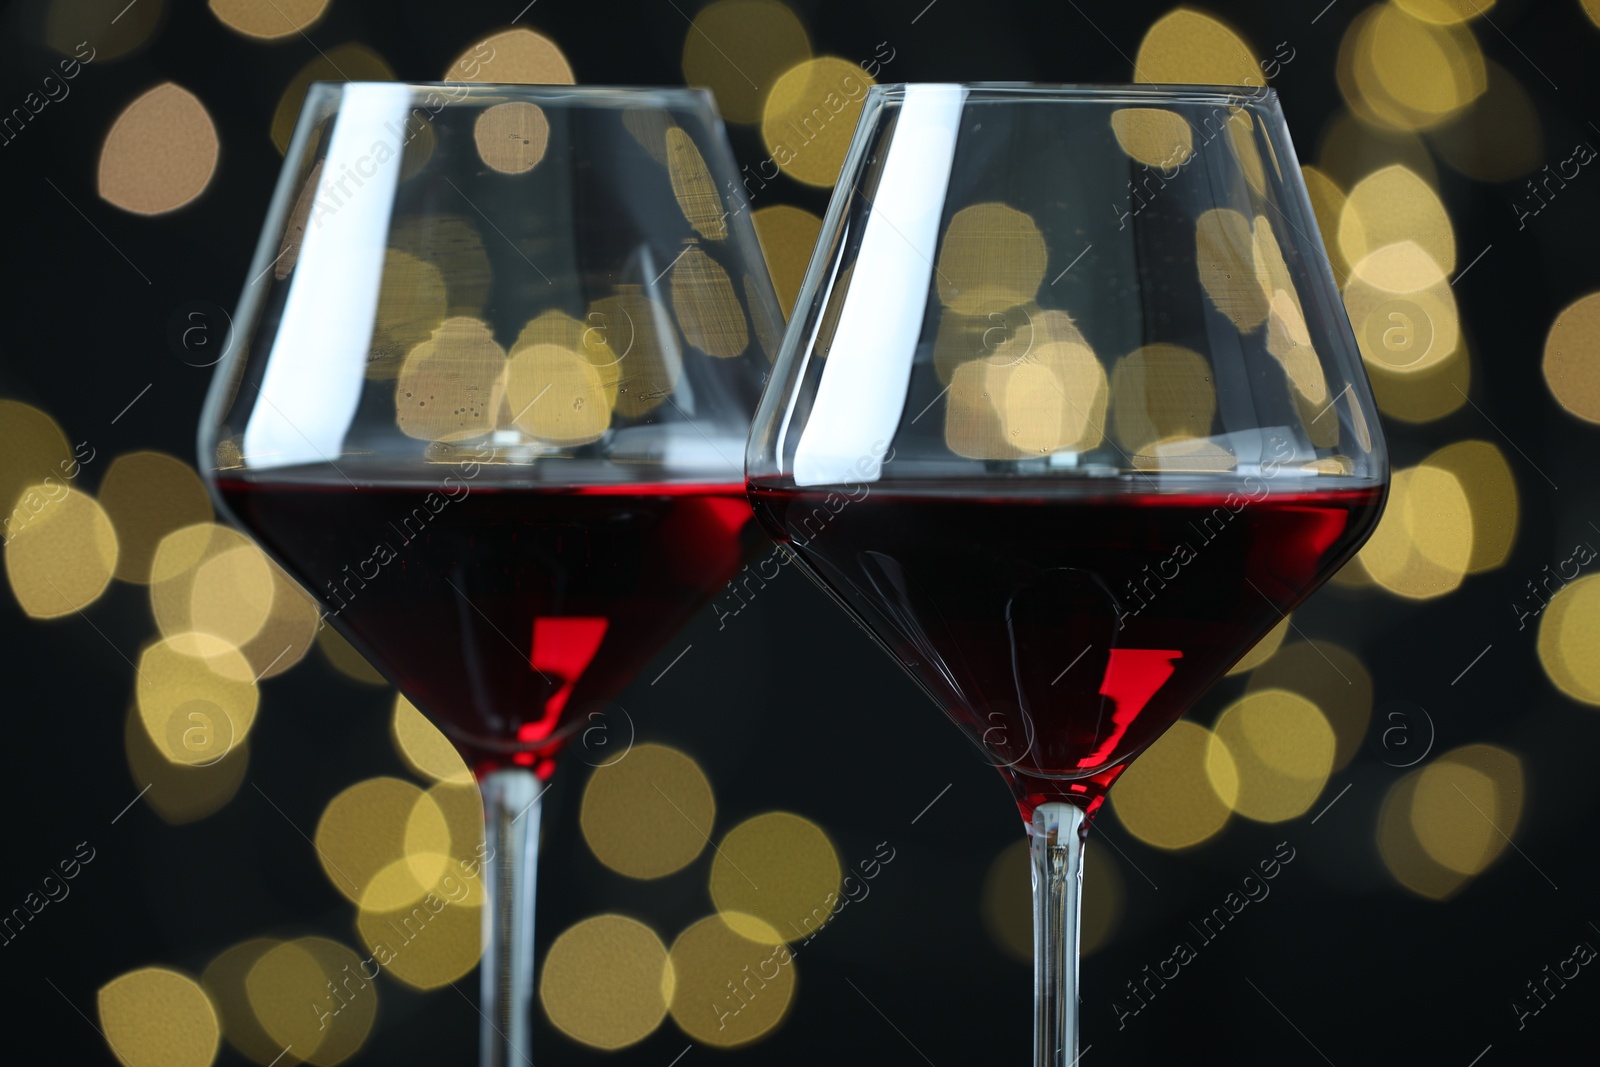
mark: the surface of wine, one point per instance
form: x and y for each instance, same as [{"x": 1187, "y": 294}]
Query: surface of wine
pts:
[
  {"x": 508, "y": 615},
  {"x": 1065, "y": 630}
]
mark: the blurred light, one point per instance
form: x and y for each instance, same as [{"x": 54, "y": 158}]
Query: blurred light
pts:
[
  {"x": 606, "y": 982},
  {"x": 649, "y": 126},
  {"x": 451, "y": 244},
  {"x": 1403, "y": 854},
  {"x": 1445, "y": 11},
  {"x": 69, "y": 24},
  {"x": 1187, "y": 46},
  {"x": 589, "y": 339},
  {"x": 639, "y": 328},
  {"x": 780, "y": 869},
  {"x": 697, "y": 194},
  {"x": 1498, "y": 137},
  {"x": 224, "y": 984},
  {"x": 1572, "y": 358},
  {"x": 557, "y": 396},
  {"x": 412, "y": 304},
  {"x": 434, "y": 938},
  {"x": 1350, "y": 149},
  {"x": 1167, "y": 798},
  {"x": 1242, "y": 140},
  {"x": 512, "y": 137},
  {"x": 519, "y": 57},
  {"x": 160, "y": 153},
  {"x": 1262, "y": 650},
  {"x": 1153, "y": 136},
  {"x": 425, "y": 749},
  {"x": 810, "y": 115},
  {"x": 1467, "y": 805},
  {"x": 648, "y": 814},
  {"x": 993, "y": 258},
  {"x": 1491, "y": 490},
  {"x": 154, "y": 1015},
  {"x": 269, "y": 19},
  {"x": 232, "y": 595},
  {"x": 1426, "y": 395},
  {"x": 370, "y": 826},
  {"x": 197, "y": 697},
  {"x": 766, "y": 36},
  {"x": 1225, "y": 255},
  {"x": 1007, "y": 909},
  {"x": 343, "y": 657},
  {"x": 1331, "y": 677},
  {"x": 1393, "y": 205},
  {"x": 787, "y": 235},
  {"x": 728, "y": 989},
  {"x": 1569, "y": 640},
  {"x": 1276, "y": 754},
  {"x": 449, "y": 385},
  {"x": 62, "y": 558},
  {"x": 1001, "y": 338},
  {"x": 178, "y": 792},
  {"x": 461, "y": 805},
  {"x": 1402, "y": 309},
  {"x": 1327, "y": 202},
  {"x": 1161, "y": 391},
  {"x": 314, "y": 996},
  {"x": 1029, "y": 396},
  {"x": 1592, "y": 9},
  {"x": 1423, "y": 543},
  {"x": 708, "y": 310},
  {"x": 346, "y": 62},
  {"x": 1407, "y": 74},
  {"x": 33, "y": 451},
  {"x": 148, "y": 495}
]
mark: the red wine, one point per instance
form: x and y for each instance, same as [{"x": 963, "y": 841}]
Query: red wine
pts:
[
  {"x": 507, "y": 615},
  {"x": 1065, "y": 629}
]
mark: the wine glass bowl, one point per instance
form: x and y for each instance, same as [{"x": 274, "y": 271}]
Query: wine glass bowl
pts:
[
  {"x": 485, "y": 396},
  {"x": 1068, "y": 416}
]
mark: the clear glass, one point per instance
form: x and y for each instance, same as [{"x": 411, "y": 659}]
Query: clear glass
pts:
[
  {"x": 484, "y": 397},
  {"x": 1067, "y": 417}
]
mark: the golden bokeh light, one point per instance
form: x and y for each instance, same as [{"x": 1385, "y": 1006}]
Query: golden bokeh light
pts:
[
  {"x": 993, "y": 258},
  {"x": 768, "y": 40},
  {"x": 370, "y": 826},
  {"x": 412, "y": 304},
  {"x": 607, "y": 982},
  {"x": 197, "y": 697},
  {"x": 1166, "y": 797},
  {"x": 33, "y": 452},
  {"x": 269, "y": 19},
  {"x": 728, "y": 989},
  {"x": 1262, "y": 650},
  {"x": 425, "y": 749},
  {"x": 1031, "y": 394},
  {"x": 1331, "y": 677},
  {"x": 1161, "y": 391},
  {"x": 1491, "y": 489},
  {"x": 1569, "y": 640},
  {"x": 706, "y": 306},
  {"x": 1188, "y": 46},
  {"x": 1225, "y": 255},
  {"x": 649, "y": 126},
  {"x": 1592, "y": 9},
  {"x": 810, "y": 115},
  {"x": 1006, "y": 902},
  {"x": 649, "y": 814},
  {"x": 1153, "y": 136},
  {"x": 69, "y": 25},
  {"x": 224, "y": 983},
  {"x": 1446, "y": 822},
  {"x": 1445, "y": 11},
  {"x": 315, "y": 996},
  {"x": 512, "y": 137},
  {"x": 517, "y": 56},
  {"x": 1403, "y": 854},
  {"x": 1350, "y": 148},
  {"x": 1423, "y": 544},
  {"x": 1327, "y": 203},
  {"x": 1426, "y": 395},
  {"x": 557, "y": 395},
  {"x": 589, "y": 339},
  {"x": 453, "y": 247},
  {"x": 156, "y": 1015},
  {"x": 1001, "y": 338},
  {"x": 780, "y": 869},
  {"x": 345, "y": 62},
  {"x": 649, "y": 360},
  {"x": 697, "y": 194},
  {"x": 63, "y": 557},
  {"x": 1406, "y": 73},
  {"x": 787, "y": 235},
  {"x": 181, "y": 793},
  {"x": 1393, "y": 205},
  {"x": 1274, "y": 754},
  {"x": 1572, "y": 358},
  {"x": 232, "y": 595},
  {"x": 449, "y": 385},
  {"x": 434, "y": 938},
  {"x": 160, "y": 153},
  {"x": 1402, "y": 309},
  {"x": 1498, "y": 137},
  {"x": 148, "y": 495},
  {"x": 342, "y": 657}
]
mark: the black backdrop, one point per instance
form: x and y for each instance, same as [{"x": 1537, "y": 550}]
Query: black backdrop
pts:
[{"x": 1357, "y": 969}]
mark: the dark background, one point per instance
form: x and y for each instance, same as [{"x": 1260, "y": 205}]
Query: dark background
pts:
[{"x": 1358, "y": 969}]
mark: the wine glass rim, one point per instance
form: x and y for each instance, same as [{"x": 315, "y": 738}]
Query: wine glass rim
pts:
[
  {"x": 552, "y": 91},
  {"x": 1098, "y": 92}
]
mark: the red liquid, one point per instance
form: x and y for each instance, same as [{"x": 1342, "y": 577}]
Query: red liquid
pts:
[
  {"x": 1065, "y": 631},
  {"x": 510, "y": 614}
]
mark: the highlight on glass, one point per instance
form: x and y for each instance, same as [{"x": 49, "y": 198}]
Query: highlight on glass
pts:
[
  {"x": 1068, "y": 416},
  {"x": 485, "y": 397}
]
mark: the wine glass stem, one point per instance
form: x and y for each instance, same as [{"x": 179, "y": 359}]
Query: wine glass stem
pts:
[
  {"x": 511, "y": 811},
  {"x": 1057, "y": 849}
]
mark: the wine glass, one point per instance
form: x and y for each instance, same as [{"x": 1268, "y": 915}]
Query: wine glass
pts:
[
  {"x": 1067, "y": 417},
  {"x": 485, "y": 396}
]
